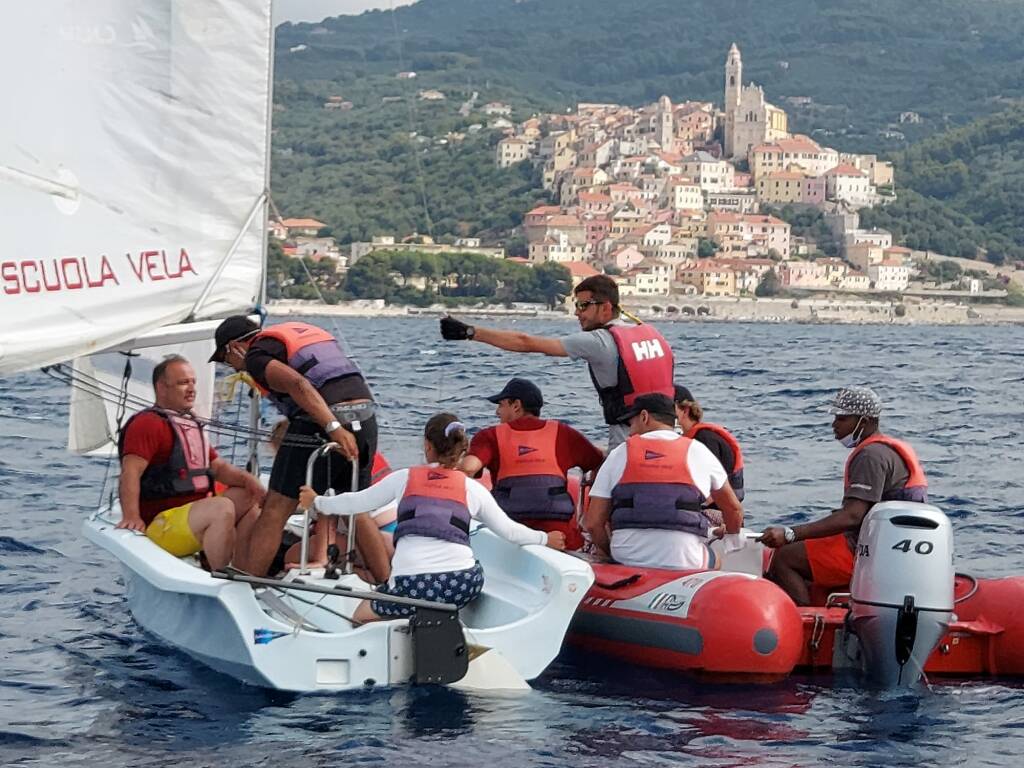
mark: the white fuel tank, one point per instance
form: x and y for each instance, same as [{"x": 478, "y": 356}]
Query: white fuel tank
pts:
[{"x": 901, "y": 594}]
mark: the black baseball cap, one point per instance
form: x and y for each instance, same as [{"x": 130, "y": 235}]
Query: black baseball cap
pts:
[
  {"x": 658, "y": 405},
  {"x": 523, "y": 390},
  {"x": 233, "y": 328},
  {"x": 684, "y": 395}
]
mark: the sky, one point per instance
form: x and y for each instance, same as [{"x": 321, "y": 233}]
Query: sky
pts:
[{"x": 317, "y": 10}]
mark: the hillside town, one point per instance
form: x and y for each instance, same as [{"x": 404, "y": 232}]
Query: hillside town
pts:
[
  {"x": 672, "y": 198},
  {"x": 685, "y": 200}
]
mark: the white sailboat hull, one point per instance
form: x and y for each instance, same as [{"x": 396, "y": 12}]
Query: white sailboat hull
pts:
[{"x": 300, "y": 642}]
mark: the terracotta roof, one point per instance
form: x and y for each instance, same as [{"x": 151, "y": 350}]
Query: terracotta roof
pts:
[
  {"x": 898, "y": 249},
  {"x": 799, "y": 143},
  {"x": 580, "y": 269},
  {"x": 303, "y": 223},
  {"x": 544, "y": 210},
  {"x": 845, "y": 169}
]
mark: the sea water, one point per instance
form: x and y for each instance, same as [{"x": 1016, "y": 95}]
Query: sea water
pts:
[{"x": 82, "y": 685}]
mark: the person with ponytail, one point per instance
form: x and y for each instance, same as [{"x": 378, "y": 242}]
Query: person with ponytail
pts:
[{"x": 433, "y": 560}]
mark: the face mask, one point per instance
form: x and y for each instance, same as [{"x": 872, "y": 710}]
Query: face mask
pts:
[{"x": 851, "y": 440}]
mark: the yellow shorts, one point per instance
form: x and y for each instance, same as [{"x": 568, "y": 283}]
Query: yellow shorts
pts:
[{"x": 170, "y": 531}]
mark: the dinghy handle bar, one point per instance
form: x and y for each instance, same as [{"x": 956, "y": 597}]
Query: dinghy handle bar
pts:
[{"x": 319, "y": 453}]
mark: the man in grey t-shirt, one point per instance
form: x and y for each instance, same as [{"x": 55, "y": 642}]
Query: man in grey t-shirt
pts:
[
  {"x": 617, "y": 381},
  {"x": 880, "y": 468}
]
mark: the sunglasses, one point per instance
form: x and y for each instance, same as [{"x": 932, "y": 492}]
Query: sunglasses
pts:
[{"x": 582, "y": 305}]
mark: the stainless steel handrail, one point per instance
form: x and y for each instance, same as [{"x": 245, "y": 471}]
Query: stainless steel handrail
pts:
[{"x": 319, "y": 453}]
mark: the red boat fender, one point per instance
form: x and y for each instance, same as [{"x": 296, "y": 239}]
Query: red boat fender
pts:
[
  {"x": 724, "y": 625},
  {"x": 990, "y": 623}
]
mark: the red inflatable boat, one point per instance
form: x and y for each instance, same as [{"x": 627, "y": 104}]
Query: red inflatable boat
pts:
[{"x": 733, "y": 626}]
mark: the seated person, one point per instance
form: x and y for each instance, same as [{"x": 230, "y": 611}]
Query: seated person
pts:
[
  {"x": 646, "y": 504},
  {"x": 433, "y": 559},
  {"x": 718, "y": 439},
  {"x": 528, "y": 458},
  {"x": 879, "y": 468},
  {"x": 168, "y": 469}
]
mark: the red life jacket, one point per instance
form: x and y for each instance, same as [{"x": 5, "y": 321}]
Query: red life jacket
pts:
[
  {"x": 434, "y": 505},
  {"x": 380, "y": 469},
  {"x": 656, "y": 489},
  {"x": 312, "y": 352},
  {"x": 916, "y": 487},
  {"x": 736, "y": 471},
  {"x": 187, "y": 471},
  {"x": 645, "y": 366},
  {"x": 530, "y": 482}
]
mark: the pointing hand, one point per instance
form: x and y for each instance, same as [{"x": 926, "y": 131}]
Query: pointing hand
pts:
[{"x": 455, "y": 330}]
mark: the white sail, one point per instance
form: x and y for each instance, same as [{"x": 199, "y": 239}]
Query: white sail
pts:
[{"x": 133, "y": 161}]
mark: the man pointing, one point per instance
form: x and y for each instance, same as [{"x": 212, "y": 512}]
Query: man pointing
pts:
[{"x": 625, "y": 359}]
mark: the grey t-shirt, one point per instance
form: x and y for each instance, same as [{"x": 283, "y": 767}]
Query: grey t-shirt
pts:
[
  {"x": 598, "y": 349},
  {"x": 874, "y": 471}
]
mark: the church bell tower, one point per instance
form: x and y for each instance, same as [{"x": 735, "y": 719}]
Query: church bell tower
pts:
[{"x": 733, "y": 78}]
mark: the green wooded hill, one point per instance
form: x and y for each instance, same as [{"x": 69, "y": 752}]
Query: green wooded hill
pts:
[
  {"x": 861, "y": 63},
  {"x": 962, "y": 190}
]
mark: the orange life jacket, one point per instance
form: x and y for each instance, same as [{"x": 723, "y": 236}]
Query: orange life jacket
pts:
[
  {"x": 916, "y": 487},
  {"x": 530, "y": 483},
  {"x": 736, "y": 472},
  {"x": 656, "y": 489},
  {"x": 434, "y": 505},
  {"x": 310, "y": 351}
]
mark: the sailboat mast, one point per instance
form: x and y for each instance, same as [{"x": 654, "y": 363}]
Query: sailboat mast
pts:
[{"x": 266, "y": 174}]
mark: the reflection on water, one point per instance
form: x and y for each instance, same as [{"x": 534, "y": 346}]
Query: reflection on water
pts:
[{"x": 81, "y": 685}]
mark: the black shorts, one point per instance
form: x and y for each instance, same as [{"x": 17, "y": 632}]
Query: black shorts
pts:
[{"x": 331, "y": 471}]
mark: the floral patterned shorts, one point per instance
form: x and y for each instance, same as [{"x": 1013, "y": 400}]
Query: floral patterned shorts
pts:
[{"x": 457, "y": 587}]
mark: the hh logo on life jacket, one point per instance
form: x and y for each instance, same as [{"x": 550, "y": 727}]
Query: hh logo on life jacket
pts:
[
  {"x": 651, "y": 455},
  {"x": 525, "y": 449},
  {"x": 647, "y": 349},
  {"x": 436, "y": 476}
]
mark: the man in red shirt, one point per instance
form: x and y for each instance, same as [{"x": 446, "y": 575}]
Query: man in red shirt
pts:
[
  {"x": 168, "y": 469},
  {"x": 528, "y": 458}
]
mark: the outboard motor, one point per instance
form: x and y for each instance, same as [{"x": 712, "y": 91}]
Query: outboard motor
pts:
[{"x": 901, "y": 595}]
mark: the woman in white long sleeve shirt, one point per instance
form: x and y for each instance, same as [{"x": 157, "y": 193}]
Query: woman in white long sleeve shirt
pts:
[{"x": 433, "y": 560}]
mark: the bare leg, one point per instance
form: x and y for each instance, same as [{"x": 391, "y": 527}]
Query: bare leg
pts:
[
  {"x": 791, "y": 570},
  {"x": 316, "y": 557},
  {"x": 212, "y": 522},
  {"x": 246, "y": 513},
  {"x": 364, "y": 613},
  {"x": 265, "y": 537}
]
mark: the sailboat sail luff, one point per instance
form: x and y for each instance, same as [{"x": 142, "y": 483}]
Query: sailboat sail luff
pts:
[{"x": 135, "y": 162}]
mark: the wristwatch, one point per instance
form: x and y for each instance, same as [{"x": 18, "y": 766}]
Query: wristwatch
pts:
[
  {"x": 470, "y": 332},
  {"x": 331, "y": 425},
  {"x": 788, "y": 534}
]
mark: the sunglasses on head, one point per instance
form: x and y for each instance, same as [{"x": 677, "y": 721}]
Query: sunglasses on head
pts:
[{"x": 582, "y": 305}]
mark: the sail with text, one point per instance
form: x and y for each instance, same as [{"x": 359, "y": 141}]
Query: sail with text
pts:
[{"x": 133, "y": 171}]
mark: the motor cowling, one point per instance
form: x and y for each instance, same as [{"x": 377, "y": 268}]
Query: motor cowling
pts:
[{"x": 901, "y": 594}]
